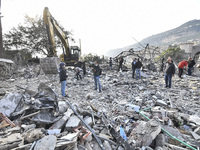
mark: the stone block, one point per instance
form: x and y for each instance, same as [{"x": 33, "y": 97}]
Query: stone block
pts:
[
  {"x": 73, "y": 122},
  {"x": 50, "y": 65},
  {"x": 46, "y": 143},
  {"x": 145, "y": 132}
]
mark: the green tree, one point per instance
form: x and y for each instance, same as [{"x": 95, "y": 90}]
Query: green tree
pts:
[
  {"x": 174, "y": 52},
  {"x": 93, "y": 57},
  {"x": 31, "y": 36}
]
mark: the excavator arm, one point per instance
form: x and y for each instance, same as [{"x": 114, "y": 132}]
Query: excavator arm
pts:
[
  {"x": 70, "y": 56},
  {"x": 53, "y": 27}
]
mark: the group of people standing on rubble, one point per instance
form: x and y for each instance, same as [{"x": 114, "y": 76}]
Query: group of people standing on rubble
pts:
[
  {"x": 187, "y": 65},
  {"x": 80, "y": 72},
  {"x": 169, "y": 71},
  {"x": 136, "y": 71},
  {"x": 136, "y": 66}
]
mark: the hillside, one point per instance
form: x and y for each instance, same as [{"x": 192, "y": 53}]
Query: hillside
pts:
[{"x": 189, "y": 31}]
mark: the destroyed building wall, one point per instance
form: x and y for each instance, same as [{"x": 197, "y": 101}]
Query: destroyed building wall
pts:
[
  {"x": 20, "y": 57},
  {"x": 195, "y": 50},
  {"x": 6, "y": 67},
  {"x": 187, "y": 47}
]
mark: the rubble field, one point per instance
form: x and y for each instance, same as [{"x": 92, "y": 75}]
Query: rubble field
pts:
[{"x": 128, "y": 114}]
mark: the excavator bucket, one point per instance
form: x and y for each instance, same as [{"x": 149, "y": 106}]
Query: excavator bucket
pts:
[{"x": 50, "y": 65}]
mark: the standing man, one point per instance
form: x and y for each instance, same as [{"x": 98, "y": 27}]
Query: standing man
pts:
[
  {"x": 120, "y": 63},
  {"x": 133, "y": 67},
  {"x": 169, "y": 72},
  {"x": 162, "y": 64},
  {"x": 63, "y": 77},
  {"x": 181, "y": 65},
  {"x": 110, "y": 63},
  {"x": 191, "y": 64},
  {"x": 138, "y": 66},
  {"x": 84, "y": 68},
  {"x": 96, "y": 72}
]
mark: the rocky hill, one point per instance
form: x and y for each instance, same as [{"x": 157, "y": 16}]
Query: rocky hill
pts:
[{"x": 189, "y": 31}]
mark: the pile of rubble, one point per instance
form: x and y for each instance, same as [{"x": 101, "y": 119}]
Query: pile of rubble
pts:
[{"x": 128, "y": 114}]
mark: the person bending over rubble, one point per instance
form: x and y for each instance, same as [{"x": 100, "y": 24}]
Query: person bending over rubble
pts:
[
  {"x": 63, "y": 77},
  {"x": 181, "y": 65},
  {"x": 96, "y": 72},
  {"x": 169, "y": 72},
  {"x": 78, "y": 73}
]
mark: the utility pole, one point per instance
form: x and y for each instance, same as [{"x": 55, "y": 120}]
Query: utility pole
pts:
[{"x": 1, "y": 38}]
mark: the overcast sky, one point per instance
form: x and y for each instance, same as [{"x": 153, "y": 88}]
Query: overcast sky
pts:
[{"x": 105, "y": 24}]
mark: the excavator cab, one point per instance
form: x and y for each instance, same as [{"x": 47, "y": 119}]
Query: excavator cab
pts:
[{"x": 75, "y": 52}]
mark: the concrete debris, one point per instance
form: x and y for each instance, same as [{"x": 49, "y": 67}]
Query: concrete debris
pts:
[
  {"x": 33, "y": 135},
  {"x": 144, "y": 133},
  {"x": 9, "y": 104},
  {"x": 34, "y": 115},
  {"x": 73, "y": 122},
  {"x": 48, "y": 143}
]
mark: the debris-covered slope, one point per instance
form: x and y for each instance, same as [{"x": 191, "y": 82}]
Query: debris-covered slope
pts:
[{"x": 128, "y": 114}]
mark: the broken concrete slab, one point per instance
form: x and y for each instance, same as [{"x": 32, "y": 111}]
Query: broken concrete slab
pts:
[
  {"x": 88, "y": 120},
  {"x": 70, "y": 136},
  {"x": 47, "y": 143},
  {"x": 9, "y": 104},
  {"x": 50, "y": 65},
  {"x": 195, "y": 119},
  {"x": 59, "y": 124},
  {"x": 34, "y": 134},
  {"x": 73, "y": 122},
  {"x": 161, "y": 103},
  {"x": 146, "y": 132},
  {"x": 107, "y": 145},
  {"x": 196, "y": 136}
]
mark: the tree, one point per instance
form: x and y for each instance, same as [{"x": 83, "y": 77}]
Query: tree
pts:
[
  {"x": 91, "y": 58},
  {"x": 174, "y": 52},
  {"x": 32, "y": 36}
]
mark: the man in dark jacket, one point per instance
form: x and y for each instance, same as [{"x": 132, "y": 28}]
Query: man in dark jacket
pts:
[
  {"x": 120, "y": 63},
  {"x": 96, "y": 72},
  {"x": 190, "y": 66},
  {"x": 84, "y": 68},
  {"x": 63, "y": 77},
  {"x": 110, "y": 63},
  {"x": 133, "y": 67},
  {"x": 138, "y": 66},
  {"x": 169, "y": 72}
]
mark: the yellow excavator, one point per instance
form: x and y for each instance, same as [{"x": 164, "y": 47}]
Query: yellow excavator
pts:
[{"x": 70, "y": 54}]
